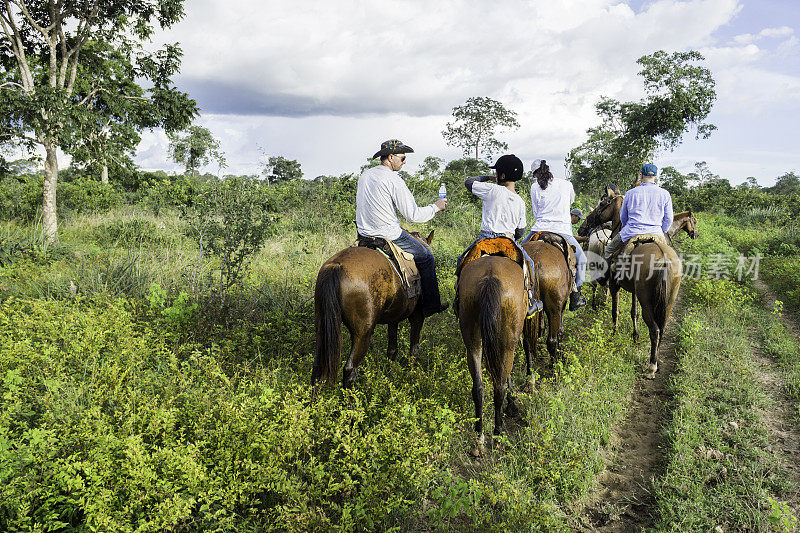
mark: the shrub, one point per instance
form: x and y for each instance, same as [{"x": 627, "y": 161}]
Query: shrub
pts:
[{"x": 85, "y": 195}]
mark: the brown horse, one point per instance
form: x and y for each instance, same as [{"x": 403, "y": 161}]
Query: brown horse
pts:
[
  {"x": 654, "y": 279},
  {"x": 360, "y": 287},
  {"x": 491, "y": 314},
  {"x": 599, "y": 236},
  {"x": 554, "y": 282}
]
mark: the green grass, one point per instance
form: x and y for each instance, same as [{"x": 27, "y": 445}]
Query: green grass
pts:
[
  {"x": 720, "y": 472},
  {"x": 124, "y": 407}
]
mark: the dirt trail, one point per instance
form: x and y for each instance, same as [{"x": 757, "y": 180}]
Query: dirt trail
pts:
[
  {"x": 781, "y": 421},
  {"x": 624, "y": 500}
]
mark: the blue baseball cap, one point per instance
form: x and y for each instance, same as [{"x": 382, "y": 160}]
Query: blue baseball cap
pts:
[{"x": 649, "y": 170}]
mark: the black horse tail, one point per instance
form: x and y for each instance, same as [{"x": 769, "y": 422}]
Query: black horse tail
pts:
[
  {"x": 490, "y": 291},
  {"x": 660, "y": 294},
  {"x": 328, "y": 323}
]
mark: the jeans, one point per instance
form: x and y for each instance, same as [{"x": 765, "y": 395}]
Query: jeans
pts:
[
  {"x": 580, "y": 256},
  {"x": 423, "y": 258},
  {"x": 613, "y": 247}
]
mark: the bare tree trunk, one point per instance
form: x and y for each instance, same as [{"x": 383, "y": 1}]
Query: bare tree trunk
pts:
[
  {"x": 104, "y": 173},
  {"x": 50, "y": 220}
]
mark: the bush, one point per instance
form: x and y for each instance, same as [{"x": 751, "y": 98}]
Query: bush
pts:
[{"x": 85, "y": 195}]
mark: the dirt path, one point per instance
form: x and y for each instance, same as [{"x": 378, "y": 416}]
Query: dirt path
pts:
[
  {"x": 781, "y": 420},
  {"x": 624, "y": 499}
]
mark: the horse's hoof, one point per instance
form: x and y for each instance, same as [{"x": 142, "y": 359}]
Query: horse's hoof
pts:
[
  {"x": 512, "y": 411},
  {"x": 529, "y": 386},
  {"x": 651, "y": 372},
  {"x": 635, "y": 336},
  {"x": 478, "y": 450}
]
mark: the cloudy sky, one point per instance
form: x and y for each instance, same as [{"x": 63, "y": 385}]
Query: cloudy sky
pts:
[{"x": 324, "y": 82}]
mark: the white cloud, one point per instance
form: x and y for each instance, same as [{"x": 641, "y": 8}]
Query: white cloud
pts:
[{"x": 325, "y": 82}]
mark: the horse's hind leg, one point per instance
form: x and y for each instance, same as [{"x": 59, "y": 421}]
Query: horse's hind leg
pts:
[
  {"x": 655, "y": 340},
  {"x": 634, "y": 317},
  {"x": 614, "y": 306},
  {"x": 530, "y": 336},
  {"x": 360, "y": 344},
  {"x": 416, "y": 319},
  {"x": 512, "y": 409},
  {"x": 391, "y": 344},
  {"x": 474, "y": 364},
  {"x": 553, "y": 334}
]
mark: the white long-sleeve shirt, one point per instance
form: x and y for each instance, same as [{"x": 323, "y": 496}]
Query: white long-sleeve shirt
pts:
[
  {"x": 379, "y": 192},
  {"x": 551, "y": 206},
  {"x": 503, "y": 210}
]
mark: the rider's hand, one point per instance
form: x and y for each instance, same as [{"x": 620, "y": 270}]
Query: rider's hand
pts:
[{"x": 441, "y": 203}]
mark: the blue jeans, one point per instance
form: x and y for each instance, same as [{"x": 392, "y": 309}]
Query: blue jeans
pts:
[
  {"x": 423, "y": 258},
  {"x": 580, "y": 256}
]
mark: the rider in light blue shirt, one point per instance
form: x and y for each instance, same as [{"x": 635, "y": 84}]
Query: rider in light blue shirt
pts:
[{"x": 646, "y": 208}]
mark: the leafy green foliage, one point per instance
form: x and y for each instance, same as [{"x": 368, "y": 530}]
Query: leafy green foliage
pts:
[
  {"x": 474, "y": 125},
  {"x": 70, "y": 80},
  {"x": 229, "y": 219},
  {"x": 195, "y": 149},
  {"x": 278, "y": 169},
  {"x": 679, "y": 95}
]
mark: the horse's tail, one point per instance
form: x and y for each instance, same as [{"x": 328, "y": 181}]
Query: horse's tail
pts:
[
  {"x": 490, "y": 291},
  {"x": 328, "y": 323},
  {"x": 661, "y": 294}
]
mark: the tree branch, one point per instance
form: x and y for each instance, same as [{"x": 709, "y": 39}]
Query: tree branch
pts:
[{"x": 19, "y": 49}]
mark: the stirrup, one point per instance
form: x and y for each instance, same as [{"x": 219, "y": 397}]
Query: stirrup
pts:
[{"x": 534, "y": 307}]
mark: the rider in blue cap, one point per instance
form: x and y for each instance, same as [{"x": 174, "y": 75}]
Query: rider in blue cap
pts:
[{"x": 647, "y": 208}]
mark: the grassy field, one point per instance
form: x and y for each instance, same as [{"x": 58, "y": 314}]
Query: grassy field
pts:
[{"x": 126, "y": 405}]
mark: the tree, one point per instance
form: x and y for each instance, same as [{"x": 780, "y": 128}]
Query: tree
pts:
[
  {"x": 787, "y": 184},
  {"x": 54, "y": 85},
  {"x": 278, "y": 168},
  {"x": 680, "y": 95},
  {"x": 474, "y": 126},
  {"x": 673, "y": 181},
  {"x": 430, "y": 169},
  {"x": 195, "y": 149}
]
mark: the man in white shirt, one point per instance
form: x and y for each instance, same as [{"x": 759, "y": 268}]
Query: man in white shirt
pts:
[
  {"x": 551, "y": 199},
  {"x": 380, "y": 190}
]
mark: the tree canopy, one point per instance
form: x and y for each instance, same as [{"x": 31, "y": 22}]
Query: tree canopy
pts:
[
  {"x": 72, "y": 76},
  {"x": 195, "y": 148},
  {"x": 474, "y": 125},
  {"x": 679, "y": 96},
  {"x": 278, "y": 168}
]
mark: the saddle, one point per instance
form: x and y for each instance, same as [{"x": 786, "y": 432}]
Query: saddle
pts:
[
  {"x": 401, "y": 261},
  {"x": 634, "y": 242},
  {"x": 561, "y": 243},
  {"x": 637, "y": 240},
  {"x": 499, "y": 246}
]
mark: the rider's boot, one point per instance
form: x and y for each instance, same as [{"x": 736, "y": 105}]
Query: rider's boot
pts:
[
  {"x": 576, "y": 301},
  {"x": 534, "y": 305}
]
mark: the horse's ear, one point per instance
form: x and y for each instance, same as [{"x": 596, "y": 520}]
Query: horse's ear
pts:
[{"x": 430, "y": 236}]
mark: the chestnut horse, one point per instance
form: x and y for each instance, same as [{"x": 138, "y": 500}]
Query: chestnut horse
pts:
[
  {"x": 600, "y": 235},
  {"x": 554, "y": 282},
  {"x": 655, "y": 281},
  {"x": 360, "y": 287},
  {"x": 491, "y": 313}
]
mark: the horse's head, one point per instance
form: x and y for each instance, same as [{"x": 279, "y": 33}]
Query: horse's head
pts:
[
  {"x": 605, "y": 210},
  {"x": 691, "y": 226}
]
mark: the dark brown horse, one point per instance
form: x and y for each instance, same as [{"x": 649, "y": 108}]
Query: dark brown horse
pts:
[
  {"x": 554, "y": 281},
  {"x": 491, "y": 312},
  {"x": 360, "y": 287},
  {"x": 654, "y": 279}
]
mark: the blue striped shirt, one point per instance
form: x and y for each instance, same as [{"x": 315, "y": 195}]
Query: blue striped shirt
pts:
[{"x": 645, "y": 209}]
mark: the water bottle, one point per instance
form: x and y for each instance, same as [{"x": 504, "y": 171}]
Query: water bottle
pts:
[{"x": 442, "y": 192}]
